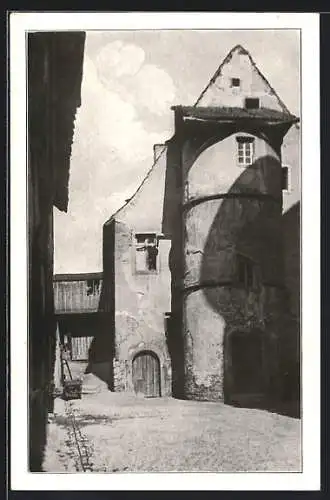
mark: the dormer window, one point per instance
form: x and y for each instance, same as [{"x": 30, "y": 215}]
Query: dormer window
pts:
[
  {"x": 235, "y": 82},
  {"x": 252, "y": 103},
  {"x": 245, "y": 151},
  {"x": 146, "y": 252}
]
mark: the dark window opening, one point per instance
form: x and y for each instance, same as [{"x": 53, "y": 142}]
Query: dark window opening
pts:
[
  {"x": 146, "y": 252},
  {"x": 252, "y": 103},
  {"x": 235, "y": 82},
  {"x": 142, "y": 237},
  {"x": 285, "y": 178},
  {"x": 93, "y": 286},
  {"x": 152, "y": 253},
  {"x": 246, "y": 274}
]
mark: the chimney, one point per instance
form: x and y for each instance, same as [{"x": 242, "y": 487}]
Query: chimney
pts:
[{"x": 158, "y": 149}]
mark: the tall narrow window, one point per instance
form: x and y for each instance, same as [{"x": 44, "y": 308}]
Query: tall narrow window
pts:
[
  {"x": 146, "y": 252},
  {"x": 245, "y": 151},
  {"x": 285, "y": 179},
  {"x": 246, "y": 272}
]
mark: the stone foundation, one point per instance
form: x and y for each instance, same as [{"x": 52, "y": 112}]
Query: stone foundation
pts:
[
  {"x": 211, "y": 318},
  {"x": 119, "y": 376}
]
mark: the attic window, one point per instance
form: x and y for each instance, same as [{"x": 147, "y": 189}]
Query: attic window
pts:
[
  {"x": 235, "y": 82},
  {"x": 252, "y": 103},
  {"x": 146, "y": 252}
]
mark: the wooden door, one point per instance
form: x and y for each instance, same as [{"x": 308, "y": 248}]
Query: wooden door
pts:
[
  {"x": 247, "y": 363},
  {"x": 146, "y": 374}
]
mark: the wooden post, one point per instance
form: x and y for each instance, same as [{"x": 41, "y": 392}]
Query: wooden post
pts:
[{"x": 58, "y": 378}]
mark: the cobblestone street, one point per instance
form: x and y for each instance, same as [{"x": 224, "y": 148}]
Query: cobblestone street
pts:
[{"x": 109, "y": 432}]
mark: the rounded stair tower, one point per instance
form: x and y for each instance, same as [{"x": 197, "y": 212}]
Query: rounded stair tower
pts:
[{"x": 231, "y": 252}]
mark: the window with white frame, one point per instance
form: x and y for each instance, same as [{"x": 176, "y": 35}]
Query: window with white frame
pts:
[
  {"x": 245, "y": 151},
  {"x": 146, "y": 253}
]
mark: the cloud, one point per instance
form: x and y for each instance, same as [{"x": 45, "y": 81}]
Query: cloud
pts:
[
  {"x": 109, "y": 122},
  {"x": 121, "y": 68},
  {"x": 154, "y": 89},
  {"x": 112, "y": 149},
  {"x": 117, "y": 59}
]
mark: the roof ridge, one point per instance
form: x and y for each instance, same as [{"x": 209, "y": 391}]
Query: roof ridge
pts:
[
  {"x": 146, "y": 177},
  {"x": 284, "y": 107},
  {"x": 225, "y": 60},
  {"x": 216, "y": 74}
]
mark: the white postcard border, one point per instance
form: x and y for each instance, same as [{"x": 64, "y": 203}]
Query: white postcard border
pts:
[{"x": 309, "y": 479}]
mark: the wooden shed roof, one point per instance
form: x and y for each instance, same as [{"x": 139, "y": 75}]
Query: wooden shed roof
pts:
[{"x": 77, "y": 293}]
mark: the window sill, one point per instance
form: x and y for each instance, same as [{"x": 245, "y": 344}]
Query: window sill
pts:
[{"x": 146, "y": 272}]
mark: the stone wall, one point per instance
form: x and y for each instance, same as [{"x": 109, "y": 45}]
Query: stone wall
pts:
[
  {"x": 292, "y": 263},
  {"x": 54, "y": 81},
  {"x": 228, "y": 211},
  {"x": 140, "y": 300},
  {"x": 141, "y": 303},
  {"x": 211, "y": 316}
]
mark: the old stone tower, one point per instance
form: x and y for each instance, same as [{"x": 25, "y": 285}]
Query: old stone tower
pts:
[
  {"x": 194, "y": 274},
  {"x": 228, "y": 306}
]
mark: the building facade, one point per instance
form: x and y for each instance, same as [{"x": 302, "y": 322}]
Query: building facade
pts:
[
  {"x": 138, "y": 284},
  {"x": 291, "y": 154},
  {"x": 82, "y": 324},
  {"x": 196, "y": 263},
  {"x": 55, "y": 62}
]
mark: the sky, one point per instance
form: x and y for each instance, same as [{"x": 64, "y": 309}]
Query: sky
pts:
[{"x": 130, "y": 81}]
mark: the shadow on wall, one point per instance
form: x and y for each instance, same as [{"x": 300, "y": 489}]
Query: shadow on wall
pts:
[
  {"x": 102, "y": 348},
  {"x": 174, "y": 340},
  {"x": 291, "y": 238},
  {"x": 100, "y": 354},
  {"x": 243, "y": 222},
  {"x": 251, "y": 227},
  {"x": 172, "y": 229}
]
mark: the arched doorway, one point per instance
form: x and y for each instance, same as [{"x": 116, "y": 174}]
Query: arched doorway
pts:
[
  {"x": 246, "y": 365},
  {"x": 146, "y": 374}
]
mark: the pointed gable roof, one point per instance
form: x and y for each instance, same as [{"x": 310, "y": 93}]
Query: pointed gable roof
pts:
[
  {"x": 211, "y": 104},
  {"x": 239, "y": 65},
  {"x": 144, "y": 209}
]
